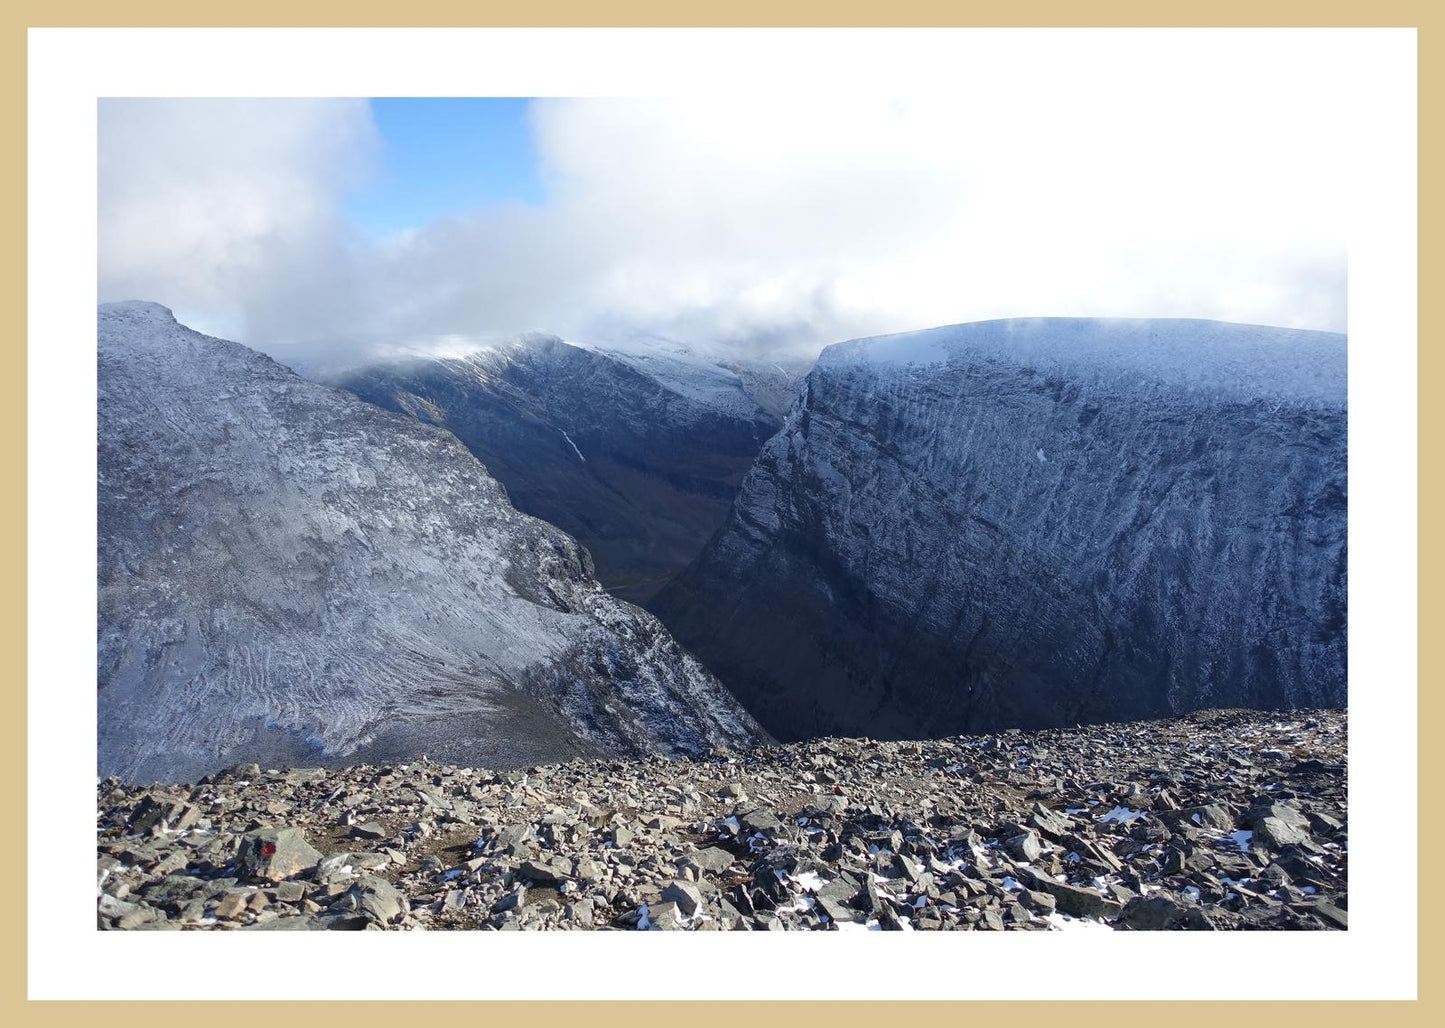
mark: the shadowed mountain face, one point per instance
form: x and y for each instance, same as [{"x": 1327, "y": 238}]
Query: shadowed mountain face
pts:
[
  {"x": 637, "y": 455},
  {"x": 1036, "y": 523},
  {"x": 290, "y": 575}
]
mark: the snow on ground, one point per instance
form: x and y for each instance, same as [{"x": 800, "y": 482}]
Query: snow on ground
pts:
[
  {"x": 1123, "y": 815},
  {"x": 1241, "y": 839},
  {"x": 810, "y": 881},
  {"x": 682, "y": 371}
]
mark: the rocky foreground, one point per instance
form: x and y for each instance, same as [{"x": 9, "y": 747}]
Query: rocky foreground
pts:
[{"x": 1218, "y": 820}]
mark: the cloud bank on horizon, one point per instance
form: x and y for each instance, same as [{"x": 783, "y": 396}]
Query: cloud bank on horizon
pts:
[{"x": 787, "y": 222}]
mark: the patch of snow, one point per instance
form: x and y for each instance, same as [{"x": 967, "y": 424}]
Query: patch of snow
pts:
[
  {"x": 1242, "y": 840},
  {"x": 1122, "y": 815},
  {"x": 681, "y": 370},
  {"x": 810, "y": 881},
  {"x": 574, "y": 446}
]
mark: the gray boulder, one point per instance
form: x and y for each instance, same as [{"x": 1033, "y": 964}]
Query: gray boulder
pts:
[
  {"x": 376, "y": 898},
  {"x": 274, "y": 854}
]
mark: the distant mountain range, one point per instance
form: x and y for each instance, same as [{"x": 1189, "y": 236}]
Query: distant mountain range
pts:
[
  {"x": 1024, "y": 523},
  {"x": 635, "y": 451}
]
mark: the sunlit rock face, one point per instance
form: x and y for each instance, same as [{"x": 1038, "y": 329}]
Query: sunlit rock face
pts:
[
  {"x": 289, "y": 575},
  {"x": 1036, "y": 523}
]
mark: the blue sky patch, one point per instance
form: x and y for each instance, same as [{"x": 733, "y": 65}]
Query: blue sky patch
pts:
[{"x": 444, "y": 157}]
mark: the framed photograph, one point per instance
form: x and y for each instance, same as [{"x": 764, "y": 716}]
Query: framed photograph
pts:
[{"x": 736, "y": 483}]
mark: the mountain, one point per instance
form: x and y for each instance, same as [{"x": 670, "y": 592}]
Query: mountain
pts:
[
  {"x": 1036, "y": 523},
  {"x": 636, "y": 450},
  {"x": 290, "y": 575},
  {"x": 714, "y": 372}
]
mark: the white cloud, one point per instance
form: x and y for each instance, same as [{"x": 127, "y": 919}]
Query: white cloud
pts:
[
  {"x": 1159, "y": 185},
  {"x": 223, "y": 208}
]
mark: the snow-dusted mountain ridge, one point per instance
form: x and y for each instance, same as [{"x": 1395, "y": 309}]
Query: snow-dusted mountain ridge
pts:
[
  {"x": 1243, "y": 361},
  {"x": 1034, "y": 523},
  {"x": 290, "y": 575},
  {"x": 636, "y": 451}
]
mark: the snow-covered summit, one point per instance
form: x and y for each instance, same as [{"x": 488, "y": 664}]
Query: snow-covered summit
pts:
[
  {"x": 138, "y": 324},
  {"x": 137, "y": 310},
  {"x": 697, "y": 378},
  {"x": 1253, "y": 361}
]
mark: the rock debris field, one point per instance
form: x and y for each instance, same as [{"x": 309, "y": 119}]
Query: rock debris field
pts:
[{"x": 1216, "y": 820}]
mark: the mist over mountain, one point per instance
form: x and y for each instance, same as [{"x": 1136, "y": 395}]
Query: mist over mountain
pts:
[{"x": 766, "y": 224}]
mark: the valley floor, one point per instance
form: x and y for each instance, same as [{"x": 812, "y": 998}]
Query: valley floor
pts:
[{"x": 1216, "y": 820}]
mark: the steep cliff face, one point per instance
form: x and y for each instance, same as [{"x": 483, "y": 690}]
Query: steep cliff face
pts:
[
  {"x": 290, "y": 575},
  {"x": 637, "y": 454},
  {"x": 1036, "y": 523}
]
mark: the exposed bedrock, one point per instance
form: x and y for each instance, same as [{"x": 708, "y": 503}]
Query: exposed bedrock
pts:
[
  {"x": 290, "y": 575},
  {"x": 1036, "y": 523}
]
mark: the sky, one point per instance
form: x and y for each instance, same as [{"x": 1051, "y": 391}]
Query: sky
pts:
[
  {"x": 443, "y": 156},
  {"x": 328, "y": 231}
]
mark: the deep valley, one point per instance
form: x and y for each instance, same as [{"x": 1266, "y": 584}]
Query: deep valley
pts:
[{"x": 1048, "y": 614}]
